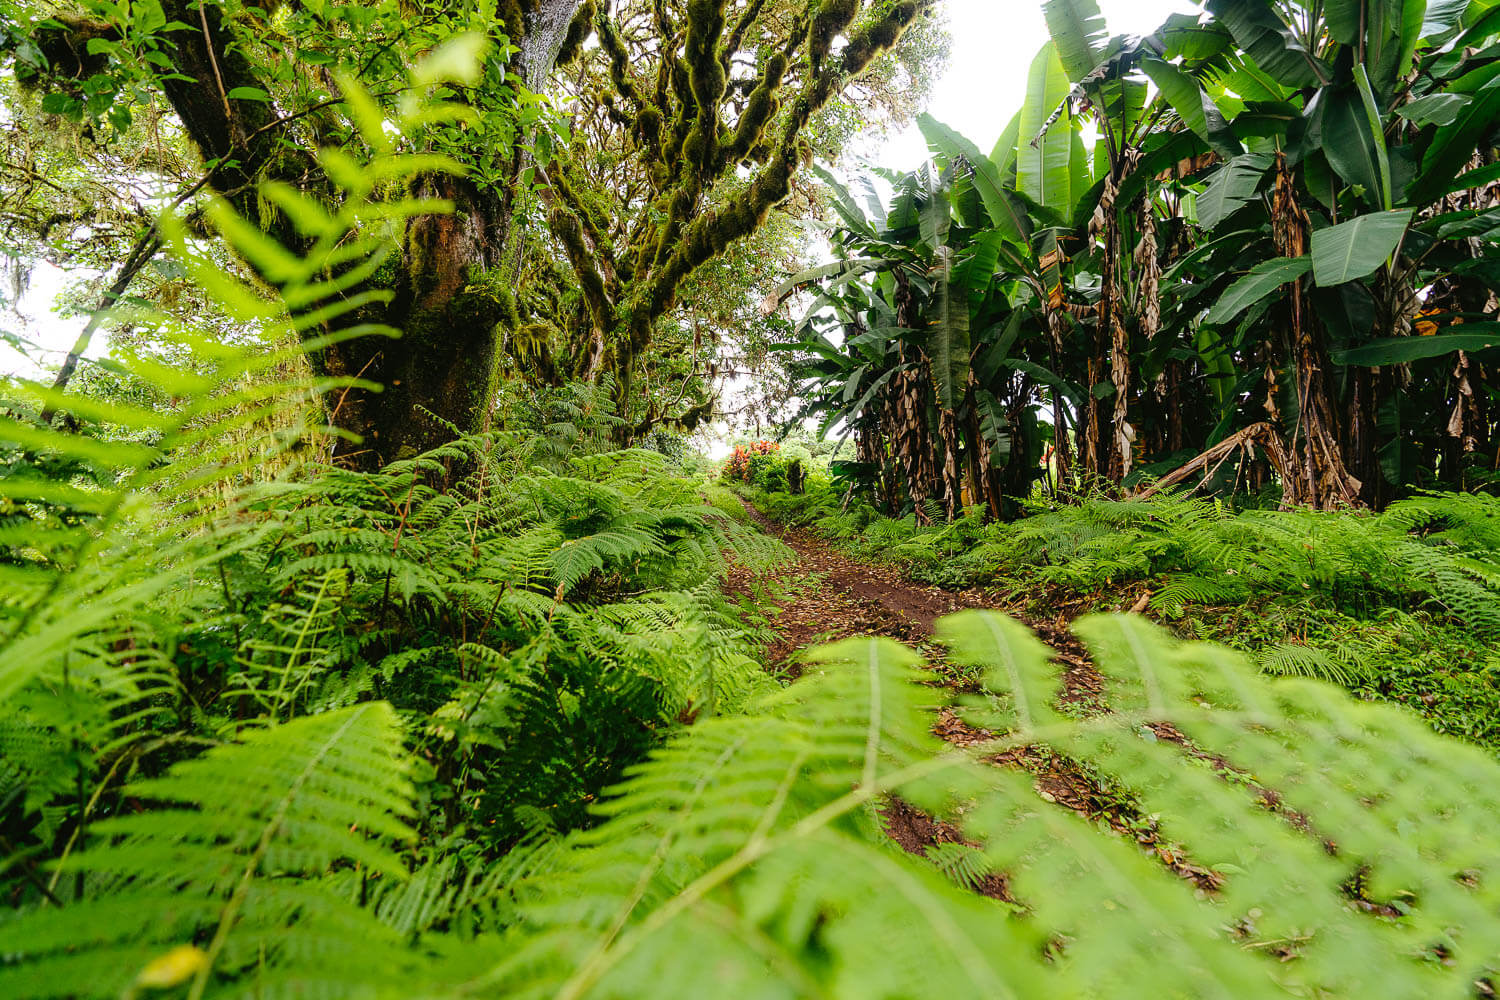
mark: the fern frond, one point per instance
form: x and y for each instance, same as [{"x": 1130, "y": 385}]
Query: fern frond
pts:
[
  {"x": 214, "y": 868},
  {"x": 762, "y": 870}
]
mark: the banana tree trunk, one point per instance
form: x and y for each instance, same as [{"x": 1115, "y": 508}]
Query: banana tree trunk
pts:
[
  {"x": 907, "y": 423},
  {"x": 1061, "y": 453},
  {"x": 952, "y": 480},
  {"x": 985, "y": 482},
  {"x": 1318, "y": 475},
  {"x": 1112, "y": 437}
]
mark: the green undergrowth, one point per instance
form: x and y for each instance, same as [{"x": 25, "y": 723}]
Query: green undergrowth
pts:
[
  {"x": 745, "y": 856},
  {"x": 1402, "y": 605}
]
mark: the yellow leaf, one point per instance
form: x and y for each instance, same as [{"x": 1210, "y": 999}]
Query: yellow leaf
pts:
[{"x": 176, "y": 966}]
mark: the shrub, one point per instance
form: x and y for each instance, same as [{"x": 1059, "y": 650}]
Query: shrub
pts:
[{"x": 738, "y": 466}]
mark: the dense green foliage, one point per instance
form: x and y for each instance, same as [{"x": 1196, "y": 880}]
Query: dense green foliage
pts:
[
  {"x": 278, "y": 718},
  {"x": 745, "y": 854},
  {"x": 1277, "y": 260}
]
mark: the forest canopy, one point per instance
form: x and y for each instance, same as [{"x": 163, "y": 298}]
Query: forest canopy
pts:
[{"x": 605, "y": 156}]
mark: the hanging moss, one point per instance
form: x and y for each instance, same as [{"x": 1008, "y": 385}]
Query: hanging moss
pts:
[
  {"x": 579, "y": 30},
  {"x": 510, "y": 315},
  {"x": 648, "y": 127}
]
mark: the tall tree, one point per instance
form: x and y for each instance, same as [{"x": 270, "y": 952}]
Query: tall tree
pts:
[{"x": 723, "y": 101}]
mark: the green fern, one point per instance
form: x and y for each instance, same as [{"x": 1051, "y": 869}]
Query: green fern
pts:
[
  {"x": 1294, "y": 659},
  {"x": 233, "y": 870},
  {"x": 765, "y": 872}
]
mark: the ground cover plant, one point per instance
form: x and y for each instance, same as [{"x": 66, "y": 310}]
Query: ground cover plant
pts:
[{"x": 339, "y": 659}]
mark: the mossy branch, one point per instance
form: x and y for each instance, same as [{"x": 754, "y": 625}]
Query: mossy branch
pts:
[
  {"x": 742, "y": 24},
  {"x": 831, "y": 21},
  {"x": 619, "y": 59},
  {"x": 578, "y": 32},
  {"x": 760, "y": 108},
  {"x": 709, "y": 233},
  {"x": 569, "y": 231}
]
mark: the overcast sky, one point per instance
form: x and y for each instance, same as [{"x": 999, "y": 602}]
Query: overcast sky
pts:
[{"x": 994, "y": 42}]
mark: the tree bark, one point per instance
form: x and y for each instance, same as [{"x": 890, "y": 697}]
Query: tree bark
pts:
[
  {"x": 1317, "y": 475},
  {"x": 441, "y": 373}
]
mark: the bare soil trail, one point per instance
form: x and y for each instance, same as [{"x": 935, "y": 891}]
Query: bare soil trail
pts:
[
  {"x": 839, "y": 597},
  {"x": 853, "y": 598}
]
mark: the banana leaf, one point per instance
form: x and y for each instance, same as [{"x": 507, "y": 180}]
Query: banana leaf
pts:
[
  {"x": 1401, "y": 350},
  {"x": 1356, "y": 248},
  {"x": 1263, "y": 279}
]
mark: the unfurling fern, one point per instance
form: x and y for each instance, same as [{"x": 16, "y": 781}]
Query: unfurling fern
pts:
[{"x": 226, "y": 885}]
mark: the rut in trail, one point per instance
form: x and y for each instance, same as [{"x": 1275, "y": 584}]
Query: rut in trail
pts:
[{"x": 850, "y": 598}]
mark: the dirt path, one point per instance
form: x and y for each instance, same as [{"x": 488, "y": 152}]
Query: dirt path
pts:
[
  {"x": 834, "y": 596},
  {"x": 852, "y": 598}
]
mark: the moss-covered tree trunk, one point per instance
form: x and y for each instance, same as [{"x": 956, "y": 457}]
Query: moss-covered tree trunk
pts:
[{"x": 450, "y": 305}]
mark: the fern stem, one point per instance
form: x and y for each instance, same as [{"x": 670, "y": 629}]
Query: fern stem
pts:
[{"x": 872, "y": 731}]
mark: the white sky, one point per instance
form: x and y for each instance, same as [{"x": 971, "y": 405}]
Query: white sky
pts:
[
  {"x": 994, "y": 42},
  {"x": 33, "y": 318}
]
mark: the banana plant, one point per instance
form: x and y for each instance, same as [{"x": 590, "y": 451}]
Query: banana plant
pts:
[
  {"x": 1361, "y": 118},
  {"x": 912, "y": 340},
  {"x": 1285, "y": 237}
]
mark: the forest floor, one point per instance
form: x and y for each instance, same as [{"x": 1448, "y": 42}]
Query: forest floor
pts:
[{"x": 824, "y": 595}]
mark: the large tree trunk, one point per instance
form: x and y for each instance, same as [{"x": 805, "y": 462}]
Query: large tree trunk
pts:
[
  {"x": 451, "y": 294},
  {"x": 452, "y": 300},
  {"x": 440, "y": 374}
]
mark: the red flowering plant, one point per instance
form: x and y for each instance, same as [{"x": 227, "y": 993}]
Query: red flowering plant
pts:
[{"x": 740, "y": 465}]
